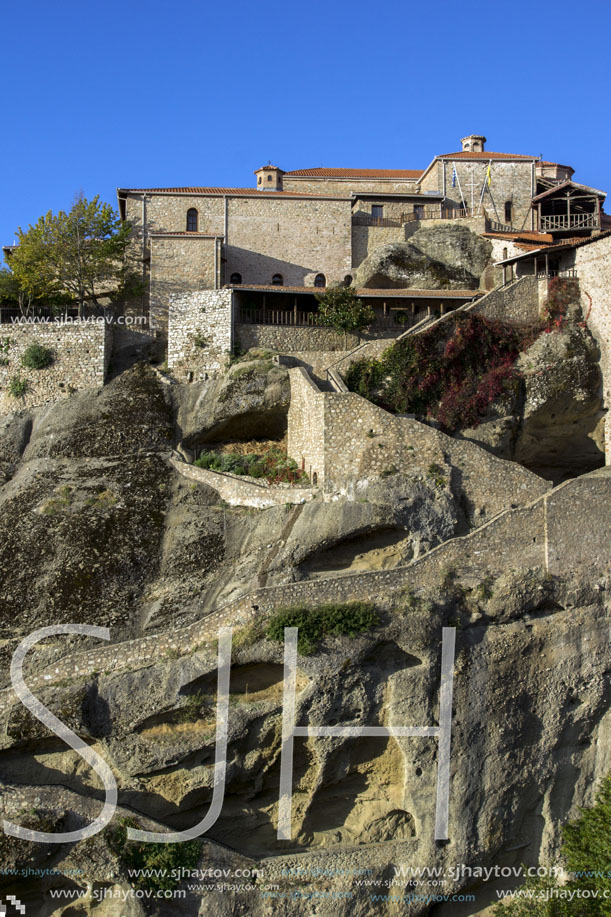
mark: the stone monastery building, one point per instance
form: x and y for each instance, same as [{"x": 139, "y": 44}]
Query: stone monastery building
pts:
[{"x": 272, "y": 244}]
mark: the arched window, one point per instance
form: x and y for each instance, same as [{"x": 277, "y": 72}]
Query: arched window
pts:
[
  {"x": 320, "y": 280},
  {"x": 269, "y": 177},
  {"x": 192, "y": 220},
  {"x": 347, "y": 280},
  {"x": 277, "y": 280},
  {"x": 260, "y": 179},
  {"x": 508, "y": 211},
  {"x": 235, "y": 278}
]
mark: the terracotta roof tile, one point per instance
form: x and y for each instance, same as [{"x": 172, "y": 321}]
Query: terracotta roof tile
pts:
[
  {"x": 541, "y": 238},
  {"x": 390, "y": 293},
  {"x": 465, "y": 154},
  {"x": 405, "y": 174},
  {"x": 236, "y": 192}
]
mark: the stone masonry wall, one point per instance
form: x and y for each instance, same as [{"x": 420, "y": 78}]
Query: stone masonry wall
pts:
[
  {"x": 518, "y": 302},
  {"x": 510, "y": 181},
  {"x": 344, "y": 187},
  {"x": 365, "y": 240},
  {"x": 346, "y": 439},
  {"x": 180, "y": 264},
  {"x": 244, "y": 491},
  {"x": 306, "y": 427},
  {"x": 593, "y": 265},
  {"x": 289, "y": 338},
  {"x": 205, "y": 315},
  {"x": 295, "y": 238},
  {"x": 81, "y": 354}
]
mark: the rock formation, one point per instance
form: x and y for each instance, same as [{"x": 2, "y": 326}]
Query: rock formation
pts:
[{"x": 440, "y": 257}]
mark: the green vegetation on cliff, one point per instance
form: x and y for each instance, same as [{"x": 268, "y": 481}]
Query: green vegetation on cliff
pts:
[{"x": 450, "y": 374}]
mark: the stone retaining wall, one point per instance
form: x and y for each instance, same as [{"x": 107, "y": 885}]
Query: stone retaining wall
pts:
[
  {"x": 292, "y": 338},
  {"x": 244, "y": 491},
  {"x": 81, "y": 353},
  {"x": 518, "y": 302},
  {"x": 199, "y": 333}
]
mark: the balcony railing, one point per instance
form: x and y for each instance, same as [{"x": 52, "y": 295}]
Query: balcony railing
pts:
[
  {"x": 560, "y": 221},
  {"x": 277, "y": 317},
  {"x": 363, "y": 219}
]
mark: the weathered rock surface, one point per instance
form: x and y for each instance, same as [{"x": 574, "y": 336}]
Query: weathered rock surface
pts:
[
  {"x": 435, "y": 258},
  {"x": 250, "y": 401},
  {"x": 553, "y": 421},
  {"x": 96, "y": 526}
]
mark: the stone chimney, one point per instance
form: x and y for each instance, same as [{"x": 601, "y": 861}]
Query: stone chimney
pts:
[
  {"x": 474, "y": 143},
  {"x": 269, "y": 178}
]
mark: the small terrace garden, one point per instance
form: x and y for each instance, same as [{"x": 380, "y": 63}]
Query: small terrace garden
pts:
[{"x": 265, "y": 459}]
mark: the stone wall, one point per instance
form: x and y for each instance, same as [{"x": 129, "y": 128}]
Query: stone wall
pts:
[
  {"x": 199, "y": 333},
  {"x": 346, "y": 186},
  {"x": 180, "y": 264},
  {"x": 81, "y": 352},
  {"x": 510, "y": 181},
  {"x": 244, "y": 491},
  {"x": 365, "y": 240},
  {"x": 292, "y": 338},
  {"x": 295, "y": 238},
  {"x": 518, "y": 302},
  {"x": 345, "y": 440},
  {"x": 306, "y": 425},
  {"x": 593, "y": 265}
]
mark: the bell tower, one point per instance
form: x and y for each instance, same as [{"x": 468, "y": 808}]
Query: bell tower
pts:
[
  {"x": 474, "y": 143},
  {"x": 269, "y": 178}
]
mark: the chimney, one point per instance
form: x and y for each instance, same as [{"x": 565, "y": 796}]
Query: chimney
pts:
[{"x": 474, "y": 143}]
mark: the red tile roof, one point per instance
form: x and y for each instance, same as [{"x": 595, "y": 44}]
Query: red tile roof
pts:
[
  {"x": 390, "y": 293},
  {"x": 465, "y": 154},
  {"x": 236, "y": 192},
  {"x": 405, "y": 174},
  {"x": 239, "y": 192},
  {"x": 542, "y": 238}
]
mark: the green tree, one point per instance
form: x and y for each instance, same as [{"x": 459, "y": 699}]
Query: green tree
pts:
[
  {"x": 81, "y": 253},
  {"x": 341, "y": 309},
  {"x": 586, "y": 850}
]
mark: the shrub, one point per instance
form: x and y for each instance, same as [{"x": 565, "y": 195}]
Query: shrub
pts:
[
  {"x": 314, "y": 624},
  {"x": 17, "y": 387},
  {"x": 272, "y": 464},
  {"x": 161, "y": 861},
  {"x": 451, "y": 373},
  {"x": 36, "y": 357}
]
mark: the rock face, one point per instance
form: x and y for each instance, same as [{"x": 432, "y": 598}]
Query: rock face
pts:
[
  {"x": 446, "y": 257},
  {"x": 553, "y": 421},
  {"x": 249, "y": 402},
  {"x": 96, "y": 526}
]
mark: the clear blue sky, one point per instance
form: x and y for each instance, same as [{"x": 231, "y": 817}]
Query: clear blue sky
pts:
[{"x": 148, "y": 94}]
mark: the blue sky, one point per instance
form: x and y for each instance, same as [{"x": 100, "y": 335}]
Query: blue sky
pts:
[{"x": 149, "y": 94}]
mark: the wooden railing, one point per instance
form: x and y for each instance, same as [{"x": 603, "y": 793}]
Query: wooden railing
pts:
[
  {"x": 363, "y": 219},
  {"x": 440, "y": 213},
  {"x": 277, "y": 317},
  {"x": 569, "y": 221}
]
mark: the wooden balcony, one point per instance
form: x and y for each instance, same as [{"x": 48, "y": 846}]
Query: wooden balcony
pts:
[{"x": 564, "y": 222}]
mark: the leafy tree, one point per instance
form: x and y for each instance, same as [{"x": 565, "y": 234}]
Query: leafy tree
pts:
[
  {"x": 81, "y": 253},
  {"x": 586, "y": 850},
  {"x": 341, "y": 309}
]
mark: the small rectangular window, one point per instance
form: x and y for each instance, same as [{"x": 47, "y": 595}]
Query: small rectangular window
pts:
[{"x": 377, "y": 211}]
